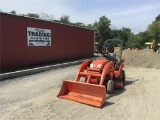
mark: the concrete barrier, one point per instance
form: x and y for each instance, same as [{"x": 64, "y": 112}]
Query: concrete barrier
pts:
[{"x": 20, "y": 73}]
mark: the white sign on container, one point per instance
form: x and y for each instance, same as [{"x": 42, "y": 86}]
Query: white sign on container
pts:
[{"x": 38, "y": 37}]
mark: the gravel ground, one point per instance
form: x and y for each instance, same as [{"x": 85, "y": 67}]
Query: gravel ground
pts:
[{"x": 34, "y": 97}]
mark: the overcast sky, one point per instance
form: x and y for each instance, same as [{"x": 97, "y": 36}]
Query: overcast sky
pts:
[{"x": 135, "y": 14}]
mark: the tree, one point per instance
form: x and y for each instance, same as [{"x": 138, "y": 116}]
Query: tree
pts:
[
  {"x": 78, "y": 24},
  {"x": 138, "y": 40},
  {"x": 152, "y": 33},
  {"x": 154, "y": 30},
  {"x": 13, "y": 12},
  {"x": 103, "y": 31},
  {"x": 158, "y": 18},
  {"x": 90, "y": 26},
  {"x": 124, "y": 33},
  {"x": 45, "y": 16},
  {"x": 65, "y": 19},
  {"x": 51, "y": 18},
  {"x": 34, "y": 15},
  {"x": 133, "y": 41},
  {"x": 143, "y": 37}
]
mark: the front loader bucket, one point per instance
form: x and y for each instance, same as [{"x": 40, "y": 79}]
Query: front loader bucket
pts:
[{"x": 83, "y": 92}]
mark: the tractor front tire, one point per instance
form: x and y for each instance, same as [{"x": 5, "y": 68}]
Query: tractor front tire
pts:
[
  {"x": 110, "y": 87},
  {"x": 123, "y": 77}
]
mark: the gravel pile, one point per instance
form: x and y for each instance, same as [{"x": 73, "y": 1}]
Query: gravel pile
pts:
[{"x": 142, "y": 58}]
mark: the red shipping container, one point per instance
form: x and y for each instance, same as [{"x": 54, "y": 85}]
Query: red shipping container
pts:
[{"x": 67, "y": 42}]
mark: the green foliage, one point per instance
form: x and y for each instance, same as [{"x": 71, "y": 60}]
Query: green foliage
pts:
[
  {"x": 13, "y": 12},
  {"x": 90, "y": 26},
  {"x": 79, "y": 24},
  {"x": 152, "y": 33},
  {"x": 34, "y": 15},
  {"x": 158, "y": 18},
  {"x": 103, "y": 31},
  {"x": 138, "y": 40},
  {"x": 125, "y": 33},
  {"x": 65, "y": 19},
  {"x": 143, "y": 37},
  {"x": 154, "y": 30},
  {"x": 134, "y": 41}
]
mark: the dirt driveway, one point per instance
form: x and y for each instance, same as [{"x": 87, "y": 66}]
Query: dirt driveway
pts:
[{"x": 34, "y": 97}]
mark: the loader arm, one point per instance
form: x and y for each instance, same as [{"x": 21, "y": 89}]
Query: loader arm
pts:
[
  {"x": 107, "y": 70},
  {"x": 82, "y": 67}
]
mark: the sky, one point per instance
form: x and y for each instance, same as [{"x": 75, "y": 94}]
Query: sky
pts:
[{"x": 133, "y": 14}]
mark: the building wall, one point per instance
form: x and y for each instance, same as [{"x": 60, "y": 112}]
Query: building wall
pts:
[{"x": 66, "y": 42}]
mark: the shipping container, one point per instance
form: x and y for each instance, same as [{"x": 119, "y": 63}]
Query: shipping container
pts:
[{"x": 22, "y": 41}]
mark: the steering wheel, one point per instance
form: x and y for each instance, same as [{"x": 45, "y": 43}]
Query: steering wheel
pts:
[{"x": 107, "y": 55}]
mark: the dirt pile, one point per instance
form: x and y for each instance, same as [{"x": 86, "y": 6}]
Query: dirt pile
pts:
[{"x": 142, "y": 58}]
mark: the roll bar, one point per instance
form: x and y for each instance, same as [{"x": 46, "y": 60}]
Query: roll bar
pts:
[{"x": 110, "y": 40}]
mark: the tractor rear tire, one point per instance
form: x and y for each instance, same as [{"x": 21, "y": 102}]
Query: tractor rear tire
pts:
[
  {"x": 110, "y": 87},
  {"x": 123, "y": 77}
]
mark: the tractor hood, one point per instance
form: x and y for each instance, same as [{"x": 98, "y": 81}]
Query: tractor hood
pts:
[{"x": 98, "y": 63}]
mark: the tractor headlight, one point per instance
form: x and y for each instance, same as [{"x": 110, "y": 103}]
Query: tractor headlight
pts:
[
  {"x": 99, "y": 65},
  {"x": 91, "y": 65}
]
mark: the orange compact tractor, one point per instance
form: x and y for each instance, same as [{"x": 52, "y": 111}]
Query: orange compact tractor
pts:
[{"x": 96, "y": 77}]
